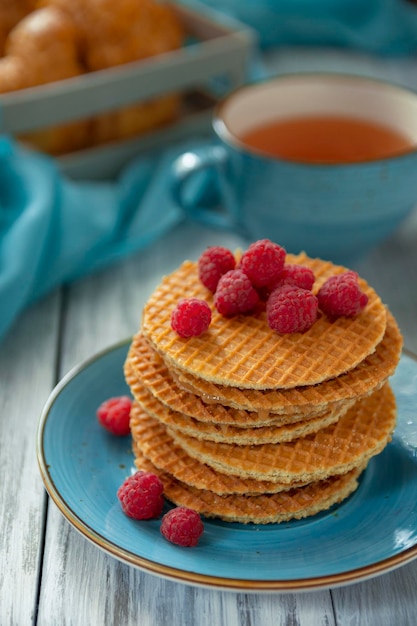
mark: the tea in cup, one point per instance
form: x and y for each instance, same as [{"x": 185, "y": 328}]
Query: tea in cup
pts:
[{"x": 324, "y": 163}]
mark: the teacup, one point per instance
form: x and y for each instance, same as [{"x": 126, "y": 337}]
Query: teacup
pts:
[{"x": 334, "y": 209}]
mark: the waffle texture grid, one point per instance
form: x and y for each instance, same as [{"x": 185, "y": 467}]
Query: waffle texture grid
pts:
[{"x": 243, "y": 351}]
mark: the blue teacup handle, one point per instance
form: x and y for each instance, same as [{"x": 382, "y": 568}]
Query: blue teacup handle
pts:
[{"x": 214, "y": 158}]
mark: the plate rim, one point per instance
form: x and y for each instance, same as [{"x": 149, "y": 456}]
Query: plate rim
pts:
[{"x": 176, "y": 574}]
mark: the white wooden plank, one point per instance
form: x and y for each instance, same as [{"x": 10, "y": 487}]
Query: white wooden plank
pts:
[
  {"x": 306, "y": 609},
  {"x": 27, "y": 366},
  {"x": 383, "y": 601}
]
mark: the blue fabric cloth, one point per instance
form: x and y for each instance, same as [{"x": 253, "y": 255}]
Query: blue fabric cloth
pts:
[
  {"x": 377, "y": 26},
  {"x": 53, "y": 230}
]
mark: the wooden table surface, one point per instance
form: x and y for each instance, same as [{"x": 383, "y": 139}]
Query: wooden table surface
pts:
[{"x": 50, "y": 574}]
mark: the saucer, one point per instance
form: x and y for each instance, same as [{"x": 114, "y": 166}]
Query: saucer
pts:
[{"x": 372, "y": 532}]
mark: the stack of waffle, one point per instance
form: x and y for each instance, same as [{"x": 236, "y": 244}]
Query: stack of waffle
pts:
[{"x": 247, "y": 425}]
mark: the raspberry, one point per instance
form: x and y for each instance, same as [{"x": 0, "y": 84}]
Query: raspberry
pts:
[
  {"x": 141, "y": 496},
  {"x": 235, "y": 294},
  {"x": 113, "y": 415},
  {"x": 290, "y": 309},
  {"x": 213, "y": 263},
  {"x": 191, "y": 317},
  {"x": 182, "y": 526},
  {"x": 298, "y": 275},
  {"x": 341, "y": 295},
  {"x": 262, "y": 262}
]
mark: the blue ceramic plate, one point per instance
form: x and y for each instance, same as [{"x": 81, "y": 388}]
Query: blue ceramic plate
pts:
[{"x": 372, "y": 532}]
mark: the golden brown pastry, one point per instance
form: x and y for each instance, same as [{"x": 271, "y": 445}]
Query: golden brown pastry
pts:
[
  {"x": 135, "y": 119},
  {"x": 67, "y": 38},
  {"x": 48, "y": 41},
  {"x": 14, "y": 74},
  {"x": 11, "y": 12},
  {"x": 113, "y": 34},
  {"x": 42, "y": 48}
]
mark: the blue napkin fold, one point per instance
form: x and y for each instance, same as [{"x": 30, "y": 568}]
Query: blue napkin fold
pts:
[
  {"x": 54, "y": 230},
  {"x": 376, "y": 26}
]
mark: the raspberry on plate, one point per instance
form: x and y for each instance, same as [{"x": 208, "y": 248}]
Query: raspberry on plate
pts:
[
  {"x": 341, "y": 295},
  {"x": 191, "y": 317},
  {"x": 141, "y": 496},
  {"x": 113, "y": 414},
  {"x": 262, "y": 262},
  {"x": 290, "y": 309},
  {"x": 213, "y": 263},
  {"x": 182, "y": 526},
  {"x": 235, "y": 294}
]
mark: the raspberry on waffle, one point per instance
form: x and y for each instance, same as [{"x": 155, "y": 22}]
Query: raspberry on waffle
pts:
[{"x": 243, "y": 351}]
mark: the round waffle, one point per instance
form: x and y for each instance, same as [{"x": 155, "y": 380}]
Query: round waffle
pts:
[
  {"x": 351, "y": 441},
  {"x": 149, "y": 368},
  {"x": 151, "y": 439},
  {"x": 366, "y": 377},
  {"x": 210, "y": 431},
  {"x": 206, "y": 401},
  {"x": 262, "y": 509},
  {"x": 244, "y": 352}
]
